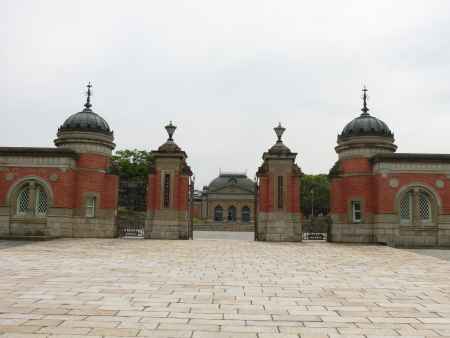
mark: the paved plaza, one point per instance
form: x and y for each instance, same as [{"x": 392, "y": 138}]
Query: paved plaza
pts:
[{"x": 219, "y": 288}]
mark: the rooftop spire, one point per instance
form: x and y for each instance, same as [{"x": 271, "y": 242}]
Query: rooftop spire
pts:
[
  {"x": 364, "y": 109},
  {"x": 88, "y": 104}
]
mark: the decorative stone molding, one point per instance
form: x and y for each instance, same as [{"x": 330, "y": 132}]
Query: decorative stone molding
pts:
[
  {"x": 53, "y": 177},
  {"x": 9, "y": 176},
  {"x": 439, "y": 184},
  {"x": 361, "y": 152},
  {"x": 91, "y": 148},
  {"x": 393, "y": 183},
  {"x": 38, "y": 161},
  {"x": 412, "y": 167},
  {"x": 86, "y": 142}
]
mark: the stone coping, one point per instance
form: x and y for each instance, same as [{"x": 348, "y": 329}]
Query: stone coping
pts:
[
  {"x": 410, "y": 157},
  {"x": 37, "y": 151}
]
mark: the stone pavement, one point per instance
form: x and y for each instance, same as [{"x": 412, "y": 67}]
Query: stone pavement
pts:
[{"x": 128, "y": 288}]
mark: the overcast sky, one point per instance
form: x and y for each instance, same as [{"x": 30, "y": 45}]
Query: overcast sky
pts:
[{"x": 226, "y": 72}]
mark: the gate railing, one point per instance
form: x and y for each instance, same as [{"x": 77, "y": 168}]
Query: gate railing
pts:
[{"x": 131, "y": 226}]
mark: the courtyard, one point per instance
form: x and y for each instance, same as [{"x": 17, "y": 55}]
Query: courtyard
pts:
[{"x": 221, "y": 288}]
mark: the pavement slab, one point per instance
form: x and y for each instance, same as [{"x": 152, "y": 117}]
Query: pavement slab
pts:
[{"x": 221, "y": 288}]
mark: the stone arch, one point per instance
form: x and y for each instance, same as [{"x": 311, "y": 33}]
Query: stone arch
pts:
[
  {"x": 19, "y": 185},
  {"x": 232, "y": 213},
  {"x": 218, "y": 213},
  {"x": 246, "y": 214},
  {"x": 416, "y": 189}
]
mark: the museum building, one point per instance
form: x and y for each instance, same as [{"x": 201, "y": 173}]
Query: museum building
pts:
[
  {"x": 227, "y": 203},
  {"x": 380, "y": 196}
]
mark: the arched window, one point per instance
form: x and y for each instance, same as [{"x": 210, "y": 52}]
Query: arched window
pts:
[
  {"x": 416, "y": 206},
  {"x": 218, "y": 213},
  {"x": 424, "y": 208},
  {"x": 245, "y": 214},
  {"x": 406, "y": 208},
  {"x": 232, "y": 214},
  {"x": 32, "y": 199},
  {"x": 41, "y": 206}
]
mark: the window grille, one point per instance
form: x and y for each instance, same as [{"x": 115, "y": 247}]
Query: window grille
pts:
[
  {"x": 23, "y": 201},
  {"x": 280, "y": 192},
  {"x": 424, "y": 207},
  {"x": 406, "y": 208},
  {"x": 166, "y": 190},
  {"x": 41, "y": 201},
  {"x": 91, "y": 203},
  {"x": 232, "y": 213},
  {"x": 218, "y": 213},
  {"x": 356, "y": 211},
  {"x": 245, "y": 214}
]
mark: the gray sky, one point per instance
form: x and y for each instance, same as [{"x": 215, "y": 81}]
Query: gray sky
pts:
[{"x": 226, "y": 72}]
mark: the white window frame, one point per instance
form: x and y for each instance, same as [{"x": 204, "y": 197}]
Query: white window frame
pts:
[
  {"x": 354, "y": 211},
  {"x": 91, "y": 206}
]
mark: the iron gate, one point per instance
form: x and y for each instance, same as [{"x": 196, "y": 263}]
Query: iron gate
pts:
[
  {"x": 316, "y": 228},
  {"x": 131, "y": 225}
]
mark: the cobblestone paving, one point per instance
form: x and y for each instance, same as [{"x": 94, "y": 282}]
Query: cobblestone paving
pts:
[{"x": 207, "y": 288}]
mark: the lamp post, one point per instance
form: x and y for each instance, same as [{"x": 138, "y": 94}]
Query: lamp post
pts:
[
  {"x": 191, "y": 208},
  {"x": 255, "y": 207},
  {"x": 312, "y": 204}
]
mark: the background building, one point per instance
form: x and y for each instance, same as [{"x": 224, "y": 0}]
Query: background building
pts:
[{"x": 227, "y": 203}]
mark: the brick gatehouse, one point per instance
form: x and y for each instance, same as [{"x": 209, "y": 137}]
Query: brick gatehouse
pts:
[{"x": 377, "y": 195}]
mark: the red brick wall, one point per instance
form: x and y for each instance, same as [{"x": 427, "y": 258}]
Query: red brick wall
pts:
[
  {"x": 266, "y": 194},
  {"x": 264, "y": 198},
  {"x": 93, "y": 161},
  {"x": 386, "y": 194},
  {"x": 337, "y": 201},
  {"x": 110, "y": 194},
  {"x": 181, "y": 192},
  {"x": 154, "y": 191},
  {"x": 379, "y": 197},
  {"x": 355, "y": 165},
  {"x": 293, "y": 194},
  {"x": 71, "y": 185},
  {"x": 360, "y": 185},
  {"x": 62, "y": 188}
]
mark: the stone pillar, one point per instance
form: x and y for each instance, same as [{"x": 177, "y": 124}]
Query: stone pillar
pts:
[
  {"x": 168, "y": 192},
  {"x": 278, "y": 213}
]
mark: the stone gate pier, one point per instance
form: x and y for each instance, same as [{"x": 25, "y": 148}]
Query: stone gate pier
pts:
[
  {"x": 278, "y": 214},
  {"x": 168, "y": 192}
]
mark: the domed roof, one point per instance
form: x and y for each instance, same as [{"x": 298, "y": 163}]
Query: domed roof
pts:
[
  {"x": 365, "y": 125},
  {"x": 237, "y": 179},
  {"x": 86, "y": 120}
]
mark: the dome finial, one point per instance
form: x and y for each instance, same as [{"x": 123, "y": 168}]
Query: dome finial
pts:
[
  {"x": 88, "y": 104},
  {"x": 364, "y": 109}
]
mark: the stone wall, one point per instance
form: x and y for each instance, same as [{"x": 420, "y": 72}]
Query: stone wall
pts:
[
  {"x": 239, "y": 227},
  {"x": 394, "y": 235},
  {"x": 166, "y": 224},
  {"x": 279, "y": 227}
]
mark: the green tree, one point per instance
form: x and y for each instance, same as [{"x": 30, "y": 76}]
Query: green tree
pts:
[
  {"x": 320, "y": 185},
  {"x": 131, "y": 163}
]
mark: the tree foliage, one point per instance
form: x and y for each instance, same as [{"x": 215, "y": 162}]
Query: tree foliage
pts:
[
  {"x": 320, "y": 184},
  {"x": 132, "y": 163}
]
